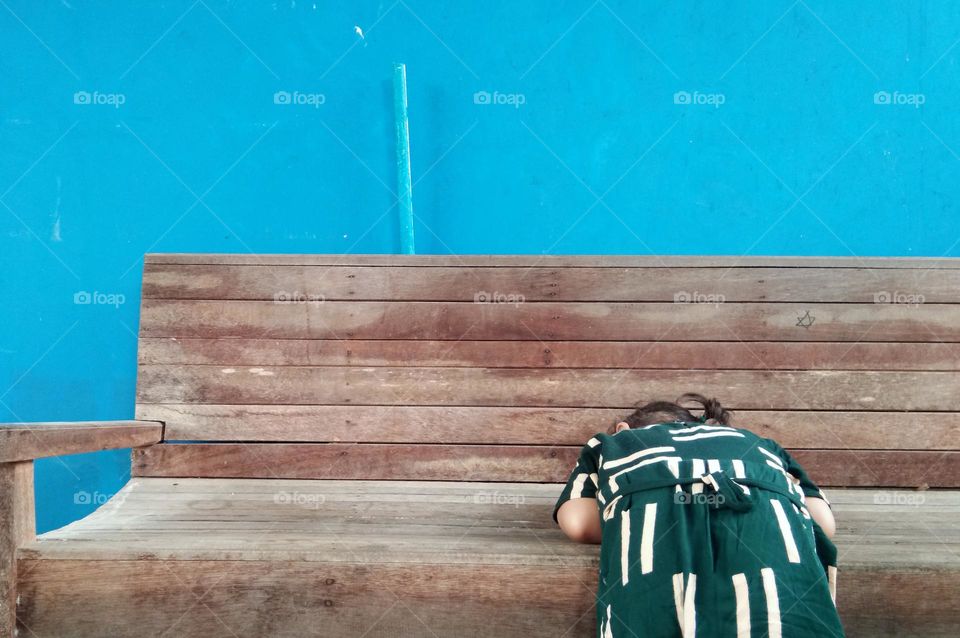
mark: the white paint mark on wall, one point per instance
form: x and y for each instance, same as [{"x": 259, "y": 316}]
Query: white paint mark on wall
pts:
[
  {"x": 55, "y": 232},
  {"x": 228, "y": 371}
]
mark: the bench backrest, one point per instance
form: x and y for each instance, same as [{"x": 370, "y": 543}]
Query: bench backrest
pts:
[{"x": 498, "y": 368}]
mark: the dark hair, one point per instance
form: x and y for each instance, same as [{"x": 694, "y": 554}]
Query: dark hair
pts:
[{"x": 668, "y": 412}]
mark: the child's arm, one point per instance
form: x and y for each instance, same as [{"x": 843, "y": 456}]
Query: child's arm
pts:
[
  {"x": 579, "y": 519},
  {"x": 577, "y": 510},
  {"x": 817, "y": 503},
  {"x": 822, "y": 514},
  {"x": 820, "y": 511}
]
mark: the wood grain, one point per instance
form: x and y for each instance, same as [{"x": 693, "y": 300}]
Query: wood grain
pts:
[
  {"x": 871, "y": 603},
  {"x": 550, "y": 321},
  {"x": 390, "y": 522},
  {"x": 389, "y": 558},
  {"x": 555, "y": 261},
  {"x": 739, "y": 389},
  {"x": 373, "y": 370},
  {"x": 455, "y": 283},
  {"x": 241, "y": 599},
  {"x": 358, "y": 461},
  {"x": 17, "y": 527},
  {"x": 523, "y": 463},
  {"x": 294, "y": 599},
  {"x": 519, "y": 425},
  {"x": 22, "y": 441},
  {"x": 669, "y": 355},
  {"x": 882, "y": 468}
]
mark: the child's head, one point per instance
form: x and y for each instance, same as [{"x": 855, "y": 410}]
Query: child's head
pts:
[{"x": 668, "y": 412}]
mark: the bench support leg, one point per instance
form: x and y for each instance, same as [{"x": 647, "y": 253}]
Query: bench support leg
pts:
[{"x": 17, "y": 526}]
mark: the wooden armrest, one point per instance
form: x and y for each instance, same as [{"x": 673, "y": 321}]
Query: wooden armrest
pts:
[
  {"x": 20, "y": 443},
  {"x": 27, "y": 441}
]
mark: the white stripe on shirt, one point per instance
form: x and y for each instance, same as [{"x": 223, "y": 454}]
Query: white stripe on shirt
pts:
[
  {"x": 658, "y": 459},
  {"x": 743, "y": 605},
  {"x": 832, "y": 582},
  {"x": 707, "y": 435},
  {"x": 689, "y": 608},
  {"x": 739, "y": 471},
  {"x": 697, "y": 428},
  {"x": 698, "y": 470},
  {"x": 678, "y": 598},
  {"x": 607, "y": 633},
  {"x": 646, "y": 539},
  {"x": 609, "y": 465},
  {"x": 577, "y": 490},
  {"x": 625, "y": 546},
  {"x": 683, "y": 601},
  {"x": 674, "y": 465},
  {"x": 774, "y": 628},
  {"x": 788, "y": 477},
  {"x": 788, "y": 541},
  {"x": 772, "y": 456}
]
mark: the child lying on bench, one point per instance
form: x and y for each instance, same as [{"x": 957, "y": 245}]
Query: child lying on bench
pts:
[{"x": 704, "y": 529}]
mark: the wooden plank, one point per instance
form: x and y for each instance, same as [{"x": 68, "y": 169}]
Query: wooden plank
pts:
[
  {"x": 373, "y": 461},
  {"x": 677, "y": 355},
  {"x": 455, "y": 283},
  {"x": 295, "y": 600},
  {"x": 423, "y": 521},
  {"x": 738, "y": 389},
  {"x": 401, "y": 542},
  {"x": 871, "y": 603},
  {"x": 22, "y": 441},
  {"x": 240, "y": 599},
  {"x": 550, "y": 321},
  {"x": 518, "y": 425},
  {"x": 403, "y": 424},
  {"x": 856, "y": 430},
  {"x": 882, "y": 468},
  {"x": 396, "y": 543},
  {"x": 17, "y": 527},
  {"x": 358, "y": 461},
  {"x": 426, "y": 522},
  {"x": 168, "y": 508},
  {"x": 270, "y": 566},
  {"x": 554, "y": 261}
]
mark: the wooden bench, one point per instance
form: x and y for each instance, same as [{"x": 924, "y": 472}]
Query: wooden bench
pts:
[{"x": 376, "y": 442}]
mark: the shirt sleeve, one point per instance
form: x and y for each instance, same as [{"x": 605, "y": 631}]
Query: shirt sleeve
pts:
[
  {"x": 583, "y": 479},
  {"x": 807, "y": 486}
]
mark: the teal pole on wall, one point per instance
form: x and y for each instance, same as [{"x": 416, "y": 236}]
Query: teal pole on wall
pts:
[{"x": 404, "y": 184}]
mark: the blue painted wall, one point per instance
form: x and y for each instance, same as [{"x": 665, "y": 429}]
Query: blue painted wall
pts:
[{"x": 773, "y": 127}]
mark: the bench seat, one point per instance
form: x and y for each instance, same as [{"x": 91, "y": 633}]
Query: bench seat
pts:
[
  {"x": 370, "y": 445},
  {"x": 226, "y": 557}
]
